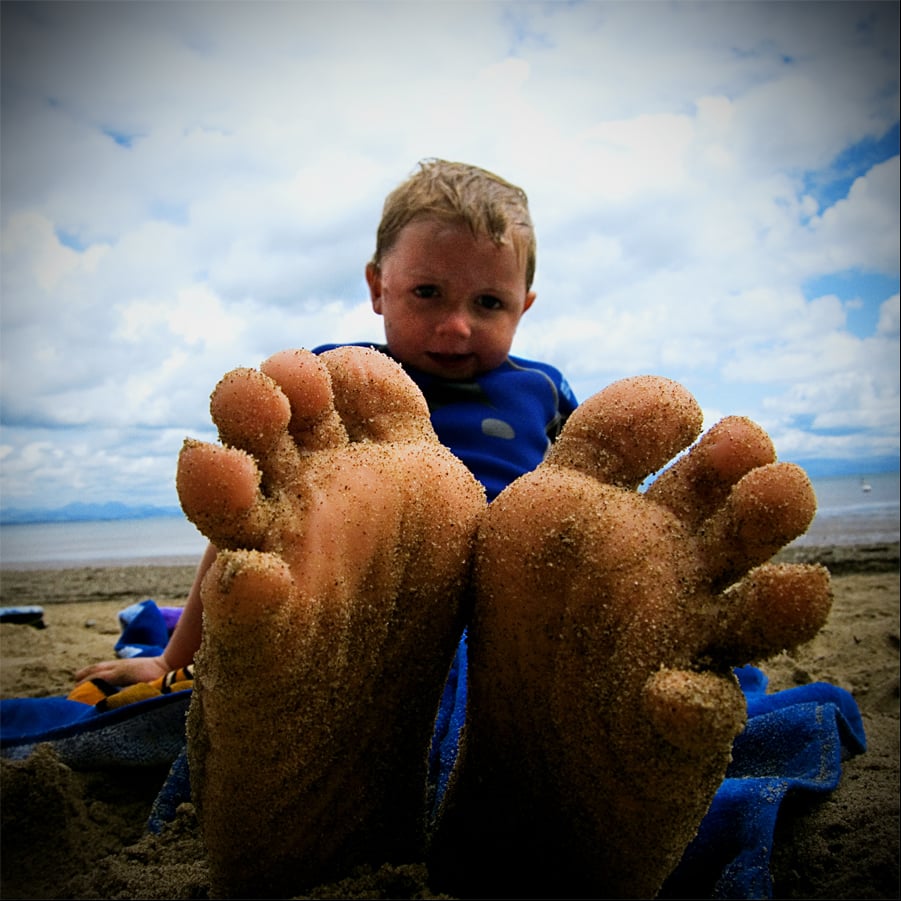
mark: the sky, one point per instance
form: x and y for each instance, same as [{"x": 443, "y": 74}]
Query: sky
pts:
[{"x": 186, "y": 188}]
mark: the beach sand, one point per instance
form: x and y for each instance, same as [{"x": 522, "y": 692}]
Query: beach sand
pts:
[{"x": 68, "y": 834}]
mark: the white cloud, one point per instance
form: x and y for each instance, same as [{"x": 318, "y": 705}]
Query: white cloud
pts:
[
  {"x": 190, "y": 187},
  {"x": 863, "y": 228},
  {"x": 889, "y": 316}
]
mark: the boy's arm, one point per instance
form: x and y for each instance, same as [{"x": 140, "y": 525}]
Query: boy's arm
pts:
[
  {"x": 180, "y": 651},
  {"x": 185, "y": 639}
]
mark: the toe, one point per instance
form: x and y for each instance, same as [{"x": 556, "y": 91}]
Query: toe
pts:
[
  {"x": 775, "y": 608},
  {"x": 694, "y": 711},
  {"x": 771, "y": 506},
  {"x": 250, "y": 411},
  {"x": 629, "y": 430},
  {"x": 305, "y": 382},
  {"x": 699, "y": 483},
  {"x": 375, "y": 398},
  {"x": 241, "y": 586},
  {"x": 219, "y": 491}
]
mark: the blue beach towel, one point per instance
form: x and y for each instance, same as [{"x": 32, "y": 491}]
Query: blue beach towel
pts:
[
  {"x": 146, "y": 733},
  {"x": 794, "y": 741},
  {"x": 28, "y": 615},
  {"x": 145, "y": 629},
  {"x": 448, "y": 725}
]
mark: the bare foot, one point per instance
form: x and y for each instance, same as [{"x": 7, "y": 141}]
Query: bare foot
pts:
[
  {"x": 331, "y": 616},
  {"x": 602, "y": 705}
]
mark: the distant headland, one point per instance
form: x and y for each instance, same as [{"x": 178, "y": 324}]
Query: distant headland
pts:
[{"x": 82, "y": 512}]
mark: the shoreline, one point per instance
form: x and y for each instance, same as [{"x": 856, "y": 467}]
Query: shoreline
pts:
[
  {"x": 839, "y": 558},
  {"x": 169, "y": 561}
]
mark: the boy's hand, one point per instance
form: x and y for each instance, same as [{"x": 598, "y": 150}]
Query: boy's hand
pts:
[{"x": 125, "y": 671}]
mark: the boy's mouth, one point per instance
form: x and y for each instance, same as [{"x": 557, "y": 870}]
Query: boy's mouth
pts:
[{"x": 450, "y": 361}]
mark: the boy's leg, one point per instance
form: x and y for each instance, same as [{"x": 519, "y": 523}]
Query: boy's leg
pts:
[
  {"x": 331, "y": 616},
  {"x": 602, "y": 706}
]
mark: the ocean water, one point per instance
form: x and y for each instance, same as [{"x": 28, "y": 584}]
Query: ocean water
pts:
[
  {"x": 855, "y": 510},
  {"x": 847, "y": 514},
  {"x": 165, "y": 540}
]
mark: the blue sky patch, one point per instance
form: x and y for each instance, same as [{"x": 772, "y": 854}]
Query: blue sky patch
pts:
[{"x": 833, "y": 184}]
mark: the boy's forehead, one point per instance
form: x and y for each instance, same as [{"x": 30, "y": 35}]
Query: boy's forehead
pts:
[
  {"x": 428, "y": 230},
  {"x": 429, "y": 244}
]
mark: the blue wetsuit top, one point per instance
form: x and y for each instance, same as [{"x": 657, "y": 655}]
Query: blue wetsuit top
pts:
[{"x": 501, "y": 423}]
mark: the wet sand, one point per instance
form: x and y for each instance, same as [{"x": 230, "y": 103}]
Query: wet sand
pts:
[{"x": 68, "y": 834}]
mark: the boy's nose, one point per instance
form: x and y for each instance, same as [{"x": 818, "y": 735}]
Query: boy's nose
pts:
[{"x": 456, "y": 324}]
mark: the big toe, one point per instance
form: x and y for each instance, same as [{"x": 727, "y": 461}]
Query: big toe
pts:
[{"x": 629, "y": 430}]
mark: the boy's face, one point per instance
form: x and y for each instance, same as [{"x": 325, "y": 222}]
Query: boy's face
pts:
[{"x": 451, "y": 301}]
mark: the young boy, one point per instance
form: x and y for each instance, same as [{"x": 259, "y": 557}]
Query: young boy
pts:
[
  {"x": 451, "y": 276},
  {"x": 602, "y": 704}
]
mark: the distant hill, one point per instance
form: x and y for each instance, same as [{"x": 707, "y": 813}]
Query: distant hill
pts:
[
  {"x": 115, "y": 510},
  {"x": 80, "y": 512},
  {"x": 827, "y": 469}
]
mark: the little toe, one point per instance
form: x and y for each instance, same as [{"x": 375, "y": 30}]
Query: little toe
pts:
[
  {"x": 375, "y": 398},
  {"x": 629, "y": 430}
]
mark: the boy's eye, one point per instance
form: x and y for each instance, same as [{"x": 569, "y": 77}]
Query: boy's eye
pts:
[
  {"x": 490, "y": 302},
  {"x": 426, "y": 291}
]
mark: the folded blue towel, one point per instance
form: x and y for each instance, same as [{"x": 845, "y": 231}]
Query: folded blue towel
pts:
[
  {"x": 29, "y": 615},
  {"x": 145, "y": 629},
  {"x": 794, "y": 740},
  {"x": 146, "y": 733}
]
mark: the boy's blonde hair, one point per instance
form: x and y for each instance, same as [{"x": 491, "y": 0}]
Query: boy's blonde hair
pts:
[{"x": 487, "y": 203}]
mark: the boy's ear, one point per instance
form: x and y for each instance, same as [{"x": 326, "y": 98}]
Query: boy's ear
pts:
[
  {"x": 530, "y": 299},
  {"x": 374, "y": 280}
]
